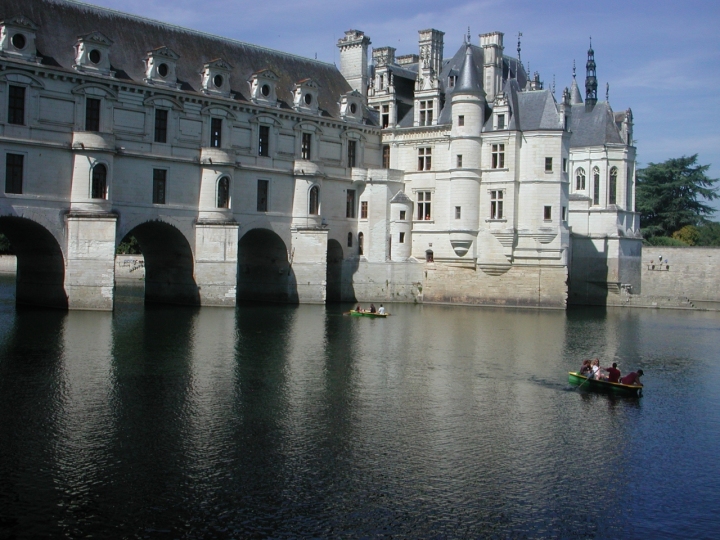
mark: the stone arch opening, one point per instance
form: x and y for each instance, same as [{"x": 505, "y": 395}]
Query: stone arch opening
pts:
[
  {"x": 40, "y": 277},
  {"x": 265, "y": 269},
  {"x": 169, "y": 264},
  {"x": 333, "y": 291}
]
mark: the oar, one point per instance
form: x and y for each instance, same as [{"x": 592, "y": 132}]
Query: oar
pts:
[{"x": 579, "y": 385}]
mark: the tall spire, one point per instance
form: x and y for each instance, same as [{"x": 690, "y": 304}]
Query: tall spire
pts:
[
  {"x": 590, "y": 80},
  {"x": 575, "y": 97},
  {"x": 518, "y": 49}
]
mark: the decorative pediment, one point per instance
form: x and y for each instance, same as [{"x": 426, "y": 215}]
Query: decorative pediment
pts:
[
  {"x": 92, "y": 54},
  {"x": 305, "y": 96},
  {"x": 216, "y": 78},
  {"x": 98, "y": 38},
  {"x": 160, "y": 67},
  {"x": 17, "y": 38},
  {"x": 263, "y": 87}
]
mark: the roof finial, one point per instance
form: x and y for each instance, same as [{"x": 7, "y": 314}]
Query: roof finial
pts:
[
  {"x": 573, "y": 68},
  {"x": 553, "y": 88},
  {"x": 468, "y": 36},
  {"x": 607, "y": 92},
  {"x": 518, "y": 49}
]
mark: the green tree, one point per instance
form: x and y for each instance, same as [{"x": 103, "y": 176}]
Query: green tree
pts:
[
  {"x": 670, "y": 195},
  {"x": 688, "y": 234},
  {"x": 709, "y": 234}
]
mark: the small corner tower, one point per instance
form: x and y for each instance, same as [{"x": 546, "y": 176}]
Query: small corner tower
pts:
[{"x": 353, "y": 59}]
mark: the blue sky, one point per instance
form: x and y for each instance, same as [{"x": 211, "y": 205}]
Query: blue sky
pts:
[{"x": 661, "y": 58}]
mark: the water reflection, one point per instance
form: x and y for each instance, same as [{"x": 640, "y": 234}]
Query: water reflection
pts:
[{"x": 300, "y": 421}]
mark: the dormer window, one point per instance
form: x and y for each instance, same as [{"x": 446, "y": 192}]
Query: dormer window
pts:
[
  {"x": 17, "y": 38},
  {"x": 305, "y": 96},
  {"x": 451, "y": 81},
  {"x": 501, "y": 121},
  {"x": 263, "y": 87},
  {"x": 160, "y": 66},
  {"x": 92, "y": 54},
  {"x": 216, "y": 78},
  {"x": 351, "y": 106}
]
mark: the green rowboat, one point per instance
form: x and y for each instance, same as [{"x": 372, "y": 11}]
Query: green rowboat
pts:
[
  {"x": 367, "y": 314},
  {"x": 618, "y": 389}
]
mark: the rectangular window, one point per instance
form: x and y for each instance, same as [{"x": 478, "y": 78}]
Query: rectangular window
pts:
[
  {"x": 451, "y": 80},
  {"x": 402, "y": 215},
  {"x": 498, "y": 156},
  {"x": 461, "y": 120},
  {"x": 16, "y": 105},
  {"x": 306, "y": 146},
  {"x": 351, "y": 149},
  {"x": 263, "y": 186},
  {"x": 363, "y": 210},
  {"x": 548, "y": 164},
  {"x": 596, "y": 188},
  {"x": 424, "y": 159},
  {"x": 159, "y": 185},
  {"x": 92, "y": 114},
  {"x": 564, "y": 213},
  {"x": 264, "y": 141},
  {"x": 423, "y": 205},
  {"x": 350, "y": 204},
  {"x": 459, "y": 160},
  {"x": 426, "y": 113},
  {"x": 13, "y": 173},
  {"x": 385, "y": 121},
  {"x": 565, "y": 162},
  {"x": 215, "y": 132},
  {"x": 402, "y": 237},
  {"x": 161, "y": 121},
  {"x": 386, "y": 157},
  {"x": 457, "y": 212},
  {"x": 501, "y": 121},
  {"x": 547, "y": 213},
  {"x": 496, "y": 204}
]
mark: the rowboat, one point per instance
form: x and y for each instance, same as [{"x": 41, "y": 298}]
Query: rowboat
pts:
[
  {"x": 595, "y": 385},
  {"x": 355, "y": 313}
]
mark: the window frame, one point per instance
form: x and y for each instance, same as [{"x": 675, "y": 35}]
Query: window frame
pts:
[
  {"x": 314, "y": 200},
  {"x": 16, "y": 104},
  {"x": 216, "y": 126},
  {"x": 263, "y": 195},
  {"x": 263, "y": 140},
  {"x": 306, "y": 145},
  {"x": 612, "y": 186},
  {"x": 161, "y": 125},
  {"x": 596, "y": 186},
  {"x": 222, "y": 196},
  {"x": 548, "y": 164},
  {"x": 501, "y": 121},
  {"x": 159, "y": 195},
  {"x": 425, "y": 158},
  {"x": 99, "y": 182},
  {"x": 580, "y": 179},
  {"x": 386, "y": 156},
  {"x": 363, "y": 209},
  {"x": 350, "y": 203},
  {"x": 547, "y": 213},
  {"x": 424, "y": 205},
  {"x": 352, "y": 153},
  {"x": 497, "y": 200},
  {"x": 497, "y": 152},
  {"x": 14, "y": 173},
  {"x": 426, "y": 108},
  {"x": 93, "y": 114}
]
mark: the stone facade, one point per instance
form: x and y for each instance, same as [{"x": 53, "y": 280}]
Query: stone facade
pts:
[{"x": 250, "y": 174}]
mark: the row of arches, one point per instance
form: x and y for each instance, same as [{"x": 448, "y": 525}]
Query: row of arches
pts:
[
  {"x": 581, "y": 185},
  {"x": 264, "y": 269}
]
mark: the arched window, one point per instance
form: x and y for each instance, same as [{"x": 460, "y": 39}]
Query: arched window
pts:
[
  {"x": 596, "y": 186},
  {"x": 98, "y": 189},
  {"x": 429, "y": 256},
  {"x": 223, "y": 192},
  {"x": 580, "y": 179},
  {"x": 314, "y": 205},
  {"x": 349, "y": 239},
  {"x": 361, "y": 243},
  {"x": 612, "y": 189}
]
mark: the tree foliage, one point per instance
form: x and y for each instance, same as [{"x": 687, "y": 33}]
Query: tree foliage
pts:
[
  {"x": 689, "y": 235},
  {"x": 129, "y": 246},
  {"x": 670, "y": 195},
  {"x": 5, "y": 247}
]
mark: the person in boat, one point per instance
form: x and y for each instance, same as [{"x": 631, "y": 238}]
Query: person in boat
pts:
[
  {"x": 595, "y": 369},
  {"x": 585, "y": 368},
  {"x": 613, "y": 373},
  {"x": 381, "y": 310},
  {"x": 633, "y": 378},
  {"x": 358, "y": 309},
  {"x": 372, "y": 308}
]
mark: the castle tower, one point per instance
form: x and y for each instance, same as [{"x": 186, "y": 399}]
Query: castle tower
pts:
[
  {"x": 492, "y": 45},
  {"x": 590, "y": 80},
  {"x": 468, "y": 106},
  {"x": 353, "y": 59}
]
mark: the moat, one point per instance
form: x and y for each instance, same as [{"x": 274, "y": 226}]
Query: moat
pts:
[{"x": 297, "y": 421}]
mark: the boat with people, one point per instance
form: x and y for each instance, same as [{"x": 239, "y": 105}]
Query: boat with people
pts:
[
  {"x": 363, "y": 313},
  {"x": 599, "y": 385}
]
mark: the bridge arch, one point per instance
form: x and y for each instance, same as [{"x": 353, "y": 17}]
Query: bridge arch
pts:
[
  {"x": 40, "y": 278},
  {"x": 265, "y": 268},
  {"x": 169, "y": 263}
]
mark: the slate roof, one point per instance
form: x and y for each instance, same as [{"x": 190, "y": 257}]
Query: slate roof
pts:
[
  {"x": 61, "y": 22},
  {"x": 536, "y": 111},
  {"x": 593, "y": 128}
]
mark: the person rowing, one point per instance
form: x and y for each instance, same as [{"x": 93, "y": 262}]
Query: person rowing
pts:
[
  {"x": 633, "y": 378},
  {"x": 613, "y": 373}
]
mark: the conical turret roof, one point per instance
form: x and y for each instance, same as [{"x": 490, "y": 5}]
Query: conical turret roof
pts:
[
  {"x": 575, "y": 96},
  {"x": 468, "y": 80}
]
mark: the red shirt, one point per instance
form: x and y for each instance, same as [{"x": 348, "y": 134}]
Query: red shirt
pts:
[
  {"x": 631, "y": 378},
  {"x": 613, "y": 374}
]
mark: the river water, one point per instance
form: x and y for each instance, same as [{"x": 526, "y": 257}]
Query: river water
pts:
[{"x": 301, "y": 422}]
